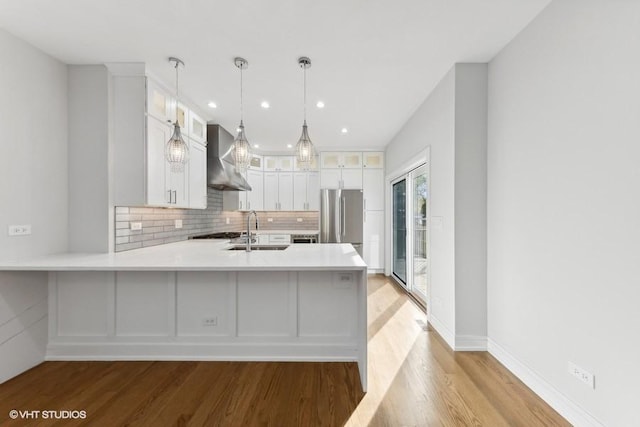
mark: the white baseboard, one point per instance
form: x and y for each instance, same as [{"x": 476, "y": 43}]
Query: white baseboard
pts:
[
  {"x": 471, "y": 343},
  {"x": 201, "y": 351},
  {"x": 441, "y": 329},
  {"x": 547, "y": 392}
]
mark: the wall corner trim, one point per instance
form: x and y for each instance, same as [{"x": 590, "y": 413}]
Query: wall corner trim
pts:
[
  {"x": 471, "y": 343},
  {"x": 575, "y": 414}
]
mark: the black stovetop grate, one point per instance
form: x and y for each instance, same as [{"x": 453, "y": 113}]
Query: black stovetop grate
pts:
[{"x": 221, "y": 235}]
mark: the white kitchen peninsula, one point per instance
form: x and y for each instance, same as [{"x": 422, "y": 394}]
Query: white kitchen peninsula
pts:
[{"x": 195, "y": 300}]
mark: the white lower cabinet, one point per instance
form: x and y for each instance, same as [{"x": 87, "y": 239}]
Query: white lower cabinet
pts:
[
  {"x": 373, "y": 244},
  {"x": 278, "y": 191}
]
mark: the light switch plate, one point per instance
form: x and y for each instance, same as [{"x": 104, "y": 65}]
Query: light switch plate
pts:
[
  {"x": 178, "y": 223},
  {"x": 135, "y": 226}
]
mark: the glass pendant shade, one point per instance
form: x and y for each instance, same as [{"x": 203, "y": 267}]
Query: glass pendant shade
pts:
[
  {"x": 241, "y": 150},
  {"x": 176, "y": 150},
  {"x": 304, "y": 148}
]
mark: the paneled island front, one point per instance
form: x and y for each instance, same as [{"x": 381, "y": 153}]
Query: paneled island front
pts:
[{"x": 198, "y": 300}]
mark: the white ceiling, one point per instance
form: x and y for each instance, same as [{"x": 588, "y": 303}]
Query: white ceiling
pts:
[{"x": 373, "y": 61}]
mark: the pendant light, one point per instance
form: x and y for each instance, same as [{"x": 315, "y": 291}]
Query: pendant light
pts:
[
  {"x": 177, "y": 151},
  {"x": 241, "y": 149},
  {"x": 304, "y": 147}
]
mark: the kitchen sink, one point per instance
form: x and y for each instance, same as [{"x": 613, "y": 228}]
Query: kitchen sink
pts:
[{"x": 258, "y": 247}]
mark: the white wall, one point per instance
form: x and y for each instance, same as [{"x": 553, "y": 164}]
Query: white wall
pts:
[
  {"x": 90, "y": 207},
  {"x": 452, "y": 123},
  {"x": 471, "y": 206},
  {"x": 33, "y": 190},
  {"x": 564, "y": 202},
  {"x": 433, "y": 125}
]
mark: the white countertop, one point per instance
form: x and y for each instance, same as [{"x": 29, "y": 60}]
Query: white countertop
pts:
[{"x": 194, "y": 255}]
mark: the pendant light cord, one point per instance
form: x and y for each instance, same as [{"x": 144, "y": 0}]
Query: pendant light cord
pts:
[
  {"x": 304, "y": 79},
  {"x": 241, "y": 103},
  {"x": 177, "y": 95}
]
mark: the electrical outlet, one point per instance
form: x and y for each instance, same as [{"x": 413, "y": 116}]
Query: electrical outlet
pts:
[
  {"x": 135, "y": 226},
  {"x": 228, "y": 220},
  {"x": 19, "y": 230},
  {"x": 299, "y": 219},
  {"x": 210, "y": 321},
  {"x": 178, "y": 223},
  {"x": 269, "y": 219},
  {"x": 584, "y": 376}
]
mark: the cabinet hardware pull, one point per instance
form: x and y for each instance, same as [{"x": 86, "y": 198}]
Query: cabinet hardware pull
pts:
[
  {"x": 169, "y": 196},
  {"x": 175, "y": 197}
]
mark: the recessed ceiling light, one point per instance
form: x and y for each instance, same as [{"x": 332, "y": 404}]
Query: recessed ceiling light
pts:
[
  {"x": 320, "y": 104},
  {"x": 256, "y": 146},
  {"x": 289, "y": 146},
  {"x": 264, "y": 104},
  {"x": 212, "y": 105},
  {"x": 344, "y": 130}
]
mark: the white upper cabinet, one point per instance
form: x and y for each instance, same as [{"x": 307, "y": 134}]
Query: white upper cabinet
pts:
[
  {"x": 255, "y": 197},
  {"x": 256, "y": 162},
  {"x": 306, "y": 191},
  {"x": 341, "y": 159},
  {"x": 182, "y": 114},
  {"x": 142, "y": 175},
  {"x": 299, "y": 167},
  {"x": 164, "y": 188},
  {"x": 373, "y": 189},
  {"x": 278, "y": 191},
  {"x": 373, "y": 160},
  {"x": 278, "y": 163},
  {"x": 160, "y": 104},
  {"x": 341, "y": 178},
  {"x": 197, "y": 175},
  {"x": 197, "y": 128}
]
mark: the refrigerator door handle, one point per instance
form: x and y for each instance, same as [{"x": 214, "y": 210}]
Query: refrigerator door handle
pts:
[
  {"x": 343, "y": 211},
  {"x": 337, "y": 217}
]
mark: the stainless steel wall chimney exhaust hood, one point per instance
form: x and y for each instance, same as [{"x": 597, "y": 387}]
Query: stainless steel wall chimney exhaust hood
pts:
[{"x": 221, "y": 170}]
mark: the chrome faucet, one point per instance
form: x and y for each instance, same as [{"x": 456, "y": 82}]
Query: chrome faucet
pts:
[{"x": 249, "y": 228}]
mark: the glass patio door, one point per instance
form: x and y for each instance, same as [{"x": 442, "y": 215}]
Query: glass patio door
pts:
[
  {"x": 420, "y": 236},
  {"x": 410, "y": 232},
  {"x": 400, "y": 230}
]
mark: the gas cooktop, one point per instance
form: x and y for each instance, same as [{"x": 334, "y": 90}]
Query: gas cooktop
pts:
[{"x": 222, "y": 235}]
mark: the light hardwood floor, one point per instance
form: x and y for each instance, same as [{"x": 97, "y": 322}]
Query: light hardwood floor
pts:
[{"x": 414, "y": 380}]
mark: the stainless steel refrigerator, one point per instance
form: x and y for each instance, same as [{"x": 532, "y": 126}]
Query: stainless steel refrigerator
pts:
[{"x": 341, "y": 217}]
